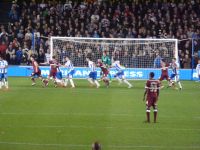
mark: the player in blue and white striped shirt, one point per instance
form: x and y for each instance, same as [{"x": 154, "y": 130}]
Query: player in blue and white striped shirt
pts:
[
  {"x": 70, "y": 73},
  {"x": 120, "y": 73},
  {"x": 175, "y": 75},
  {"x": 93, "y": 73},
  {"x": 3, "y": 73},
  {"x": 198, "y": 70}
]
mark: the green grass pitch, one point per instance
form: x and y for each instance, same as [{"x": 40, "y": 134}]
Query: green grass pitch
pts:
[{"x": 36, "y": 118}]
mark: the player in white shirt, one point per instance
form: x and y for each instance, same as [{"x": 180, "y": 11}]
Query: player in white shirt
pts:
[
  {"x": 93, "y": 73},
  {"x": 198, "y": 70},
  {"x": 3, "y": 73},
  {"x": 70, "y": 73},
  {"x": 120, "y": 73},
  {"x": 175, "y": 74}
]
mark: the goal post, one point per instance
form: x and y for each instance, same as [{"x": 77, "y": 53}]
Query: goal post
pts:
[{"x": 138, "y": 54}]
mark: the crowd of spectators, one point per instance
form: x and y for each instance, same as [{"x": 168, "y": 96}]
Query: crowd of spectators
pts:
[{"x": 100, "y": 18}]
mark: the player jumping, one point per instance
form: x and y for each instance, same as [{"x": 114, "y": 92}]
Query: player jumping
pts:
[
  {"x": 93, "y": 73},
  {"x": 120, "y": 73},
  {"x": 107, "y": 61},
  {"x": 198, "y": 70},
  {"x": 104, "y": 71},
  {"x": 152, "y": 91},
  {"x": 3, "y": 73},
  {"x": 174, "y": 65},
  {"x": 70, "y": 73}
]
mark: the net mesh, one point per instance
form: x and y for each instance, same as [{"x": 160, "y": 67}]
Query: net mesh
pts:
[{"x": 132, "y": 53}]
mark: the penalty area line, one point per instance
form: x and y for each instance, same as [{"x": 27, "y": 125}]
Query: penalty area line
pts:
[
  {"x": 90, "y": 114},
  {"x": 108, "y": 146},
  {"x": 100, "y": 127}
]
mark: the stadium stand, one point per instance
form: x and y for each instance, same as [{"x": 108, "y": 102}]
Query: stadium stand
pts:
[{"x": 97, "y": 18}]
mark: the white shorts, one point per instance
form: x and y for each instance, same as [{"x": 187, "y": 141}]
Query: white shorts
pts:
[
  {"x": 198, "y": 72},
  {"x": 59, "y": 81}
]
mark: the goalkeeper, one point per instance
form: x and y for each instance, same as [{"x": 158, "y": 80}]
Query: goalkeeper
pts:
[{"x": 107, "y": 61}]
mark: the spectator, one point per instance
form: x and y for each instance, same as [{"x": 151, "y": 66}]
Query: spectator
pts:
[
  {"x": 47, "y": 56},
  {"x": 130, "y": 19},
  {"x": 126, "y": 59},
  {"x": 10, "y": 54},
  {"x": 79, "y": 60},
  {"x": 95, "y": 17},
  {"x": 186, "y": 62},
  {"x": 19, "y": 55},
  {"x": 96, "y": 35},
  {"x": 41, "y": 56},
  {"x": 3, "y": 48}
]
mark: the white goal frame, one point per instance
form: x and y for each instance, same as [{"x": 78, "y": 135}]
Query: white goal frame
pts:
[{"x": 114, "y": 39}]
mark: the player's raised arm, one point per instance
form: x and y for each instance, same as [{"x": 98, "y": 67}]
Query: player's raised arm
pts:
[{"x": 44, "y": 63}]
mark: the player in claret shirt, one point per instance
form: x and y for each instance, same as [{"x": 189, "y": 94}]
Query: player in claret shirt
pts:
[
  {"x": 36, "y": 70},
  {"x": 96, "y": 146},
  {"x": 104, "y": 71},
  {"x": 54, "y": 67},
  {"x": 152, "y": 91},
  {"x": 164, "y": 72}
]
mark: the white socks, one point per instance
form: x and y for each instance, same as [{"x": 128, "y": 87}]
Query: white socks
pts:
[
  {"x": 90, "y": 80},
  {"x": 97, "y": 83},
  {"x": 179, "y": 84},
  {"x": 94, "y": 82},
  {"x": 6, "y": 84},
  {"x": 71, "y": 82},
  {"x": 119, "y": 80},
  {"x": 126, "y": 82}
]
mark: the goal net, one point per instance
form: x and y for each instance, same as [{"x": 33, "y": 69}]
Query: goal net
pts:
[{"x": 132, "y": 53}]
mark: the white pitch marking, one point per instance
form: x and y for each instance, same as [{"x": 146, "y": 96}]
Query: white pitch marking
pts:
[
  {"x": 103, "y": 127},
  {"x": 86, "y": 114},
  {"x": 109, "y": 146}
]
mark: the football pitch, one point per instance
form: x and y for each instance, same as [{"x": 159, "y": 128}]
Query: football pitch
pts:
[{"x": 36, "y": 118}]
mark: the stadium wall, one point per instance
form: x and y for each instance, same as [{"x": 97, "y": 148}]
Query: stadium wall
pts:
[{"x": 82, "y": 72}]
